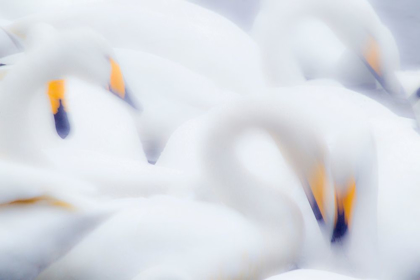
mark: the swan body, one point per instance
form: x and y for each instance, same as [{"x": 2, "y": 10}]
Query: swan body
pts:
[
  {"x": 43, "y": 63},
  {"x": 170, "y": 95},
  {"x": 114, "y": 131},
  {"x": 334, "y": 39},
  {"x": 116, "y": 176},
  {"x": 110, "y": 154},
  {"x": 13, "y": 11},
  {"x": 166, "y": 109},
  {"x": 223, "y": 167},
  {"x": 272, "y": 238},
  {"x": 99, "y": 123},
  {"x": 167, "y": 232},
  {"x": 261, "y": 157},
  {"x": 44, "y": 212},
  {"x": 205, "y": 42},
  {"x": 183, "y": 150},
  {"x": 32, "y": 140},
  {"x": 256, "y": 204},
  {"x": 107, "y": 154},
  {"x": 261, "y": 234},
  {"x": 395, "y": 140}
]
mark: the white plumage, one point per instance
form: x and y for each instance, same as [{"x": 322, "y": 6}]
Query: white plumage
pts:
[{"x": 310, "y": 176}]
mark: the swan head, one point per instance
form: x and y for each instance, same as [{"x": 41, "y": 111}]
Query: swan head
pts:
[
  {"x": 345, "y": 194},
  {"x": 381, "y": 58},
  {"x": 353, "y": 171},
  {"x": 54, "y": 55}
]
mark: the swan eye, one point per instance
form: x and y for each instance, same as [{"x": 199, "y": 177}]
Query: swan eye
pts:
[
  {"x": 117, "y": 84},
  {"x": 316, "y": 192},
  {"x": 40, "y": 200},
  {"x": 56, "y": 92},
  {"x": 344, "y": 204},
  {"x": 2, "y": 64}
]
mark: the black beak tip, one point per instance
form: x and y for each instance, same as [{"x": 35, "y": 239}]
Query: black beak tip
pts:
[
  {"x": 62, "y": 124},
  {"x": 340, "y": 229},
  {"x": 129, "y": 100},
  {"x": 63, "y": 132}
]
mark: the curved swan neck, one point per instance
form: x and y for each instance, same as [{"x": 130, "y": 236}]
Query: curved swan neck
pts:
[
  {"x": 17, "y": 92},
  {"x": 235, "y": 185}
]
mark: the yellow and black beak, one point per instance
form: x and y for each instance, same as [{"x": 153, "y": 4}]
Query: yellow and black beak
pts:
[
  {"x": 117, "y": 85},
  {"x": 316, "y": 192},
  {"x": 56, "y": 94},
  {"x": 344, "y": 205}
]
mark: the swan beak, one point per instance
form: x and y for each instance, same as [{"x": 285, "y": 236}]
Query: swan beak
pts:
[
  {"x": 316, "y": 192},
  {"x": 40, "y": 199},
  {"x": 117, "y": 85},
  {"x": 344, "y": 204},
  {"x": 371, "y": 57},
  {"x": 56, "y": 91}
]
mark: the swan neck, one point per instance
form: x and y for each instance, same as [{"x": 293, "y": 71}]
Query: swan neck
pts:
[
  {"x": 17, "y": 92},
  {"x": 235, "y": 185}
]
